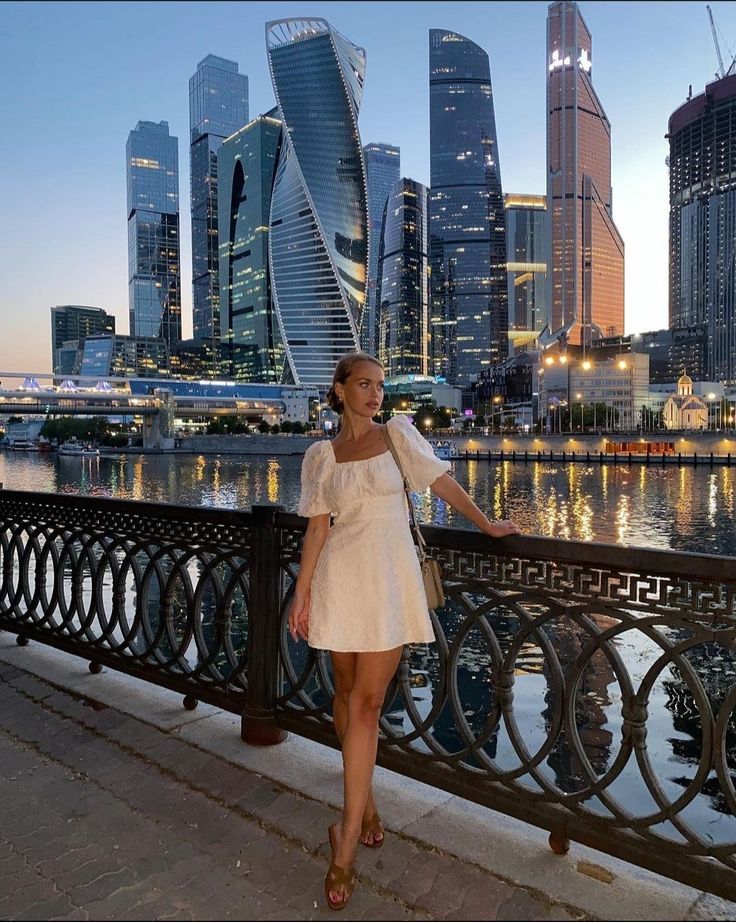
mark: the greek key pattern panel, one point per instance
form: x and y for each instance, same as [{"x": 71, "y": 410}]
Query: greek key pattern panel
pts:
[{"x": 580, "y": 583}]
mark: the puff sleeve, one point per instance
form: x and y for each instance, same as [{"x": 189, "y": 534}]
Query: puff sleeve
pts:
[
  {"x": 421, "y": 466},
  {"x": 314, "y": 471}
]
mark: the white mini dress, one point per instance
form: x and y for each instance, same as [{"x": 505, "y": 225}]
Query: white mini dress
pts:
[{"x": 367, "y": 593}]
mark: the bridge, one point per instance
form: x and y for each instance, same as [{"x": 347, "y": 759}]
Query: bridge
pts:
[{"x": 158, "y": 402}]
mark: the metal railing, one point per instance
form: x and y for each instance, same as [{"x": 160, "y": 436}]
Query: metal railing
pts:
[{"x": 587, "y": 689}]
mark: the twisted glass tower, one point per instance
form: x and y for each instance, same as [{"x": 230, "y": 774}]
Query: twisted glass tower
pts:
[{"x": 318, "y": 239}]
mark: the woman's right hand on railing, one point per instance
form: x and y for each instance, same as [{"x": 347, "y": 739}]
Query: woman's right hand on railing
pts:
[{"x": 299, "y": 616}]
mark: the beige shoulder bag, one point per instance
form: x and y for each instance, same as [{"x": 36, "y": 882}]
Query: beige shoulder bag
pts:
[{"x": 431, "y": 568}]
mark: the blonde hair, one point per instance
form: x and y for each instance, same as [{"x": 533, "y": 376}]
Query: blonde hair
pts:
[{"x": 343, "y": 370}]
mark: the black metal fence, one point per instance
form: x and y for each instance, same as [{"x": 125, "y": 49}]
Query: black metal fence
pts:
[{"x": 584, "y": 688}]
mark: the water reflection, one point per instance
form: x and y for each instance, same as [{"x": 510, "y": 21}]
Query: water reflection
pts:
[{"x": 683, "y": 508}]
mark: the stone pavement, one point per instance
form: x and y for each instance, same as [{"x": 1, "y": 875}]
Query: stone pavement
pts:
[{"x": 107, "y": 817}]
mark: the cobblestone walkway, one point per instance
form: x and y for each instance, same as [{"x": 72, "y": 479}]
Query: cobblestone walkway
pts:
[{"x": 106, "y": 817}]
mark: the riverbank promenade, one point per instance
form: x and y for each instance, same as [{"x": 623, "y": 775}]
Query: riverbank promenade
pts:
[{"x": 119, "y": 804}]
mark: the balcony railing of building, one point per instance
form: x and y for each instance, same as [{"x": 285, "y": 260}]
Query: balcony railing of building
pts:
[{"x": 584, "y": 688}]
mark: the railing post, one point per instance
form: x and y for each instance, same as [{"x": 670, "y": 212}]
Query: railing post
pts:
[{"x": 258, "y": 724}]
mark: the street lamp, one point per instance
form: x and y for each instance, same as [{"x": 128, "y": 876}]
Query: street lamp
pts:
[{"x": 496, "y": 400}]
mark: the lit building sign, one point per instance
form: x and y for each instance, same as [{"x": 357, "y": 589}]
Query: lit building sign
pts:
[{"x": 558, "y": 62}]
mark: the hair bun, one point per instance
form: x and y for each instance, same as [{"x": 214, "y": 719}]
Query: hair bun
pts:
[{"x": 334, "y": 401}]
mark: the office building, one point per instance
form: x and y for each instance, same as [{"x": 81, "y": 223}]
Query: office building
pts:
[
  {"x": 112, "y": 355},
  {"x": 527, "y": 248},
  {"x": 154, "y": 271},
  {"x": 70, "y": 325},
  {"x": 586, "y": 263},
  {"x": 218, "y": 107},
  {"x": 671, "y": 352},
  {"x": 575, "y": 379},
  {"x": 469, "y": 302},
  {"x": 251, "y": 341},
  {"x": 702, "y": 161},
  {"x": 383, "y": 171},
  {"x": 402, "y": 291},
  {"x": 318, "y": 247}
]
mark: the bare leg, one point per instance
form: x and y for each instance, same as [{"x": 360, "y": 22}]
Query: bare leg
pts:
[
  {"x": 343, "y": 667},
  {"x": 373, "y": 672}
]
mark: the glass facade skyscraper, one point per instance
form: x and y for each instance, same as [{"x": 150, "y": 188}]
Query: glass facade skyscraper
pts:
[
  {"x": 73, "y": 323},
  {"x": 319, "y": 222},
  {"x": 154, "y": 269},
  {"x": 218, "y": 107},
  {"x": 383, "y": 170},
  {"x": 469, "y": 302},
  {"x": 402, "y": 292},
  {"x": 251, "y": 341},
  {"x": 586, "y": 264},
  {"x": 526, "y": 265},
  {"x": 702, "y": 136}
]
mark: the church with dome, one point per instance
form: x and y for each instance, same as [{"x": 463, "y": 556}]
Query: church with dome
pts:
[{"x": 685, "y": 410}]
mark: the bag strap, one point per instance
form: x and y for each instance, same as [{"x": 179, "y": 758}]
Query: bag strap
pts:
[{"x": 418, "y": 538}]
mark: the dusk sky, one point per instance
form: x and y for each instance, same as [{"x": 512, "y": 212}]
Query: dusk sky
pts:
[{"x": 78, "y": 76}]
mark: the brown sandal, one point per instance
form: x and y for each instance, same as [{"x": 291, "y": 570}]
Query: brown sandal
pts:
[
  {"x": 338, "y": 877},
  {"x": 372, "y": 826}
]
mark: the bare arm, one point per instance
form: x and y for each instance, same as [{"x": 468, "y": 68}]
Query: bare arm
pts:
[
  {"x": 314, "y": 541},
  {"x": 451, "y": 492}
]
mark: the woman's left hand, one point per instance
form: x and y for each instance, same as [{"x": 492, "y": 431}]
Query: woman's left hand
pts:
[{"x": 502, "y": 529}]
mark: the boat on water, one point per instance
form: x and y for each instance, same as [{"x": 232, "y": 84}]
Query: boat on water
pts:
[
  {"x": 78, "y": 450},
  {"x": 23, "y": 445},
  {"x": 444, "y": 449}
]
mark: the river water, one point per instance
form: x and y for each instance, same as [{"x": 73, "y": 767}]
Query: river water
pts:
[{"x": 687, "y": 508}]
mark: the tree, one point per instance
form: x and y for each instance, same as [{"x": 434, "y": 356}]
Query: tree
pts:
[
  {"x": 264, "y": 427},
  {"x": 230, "y": 425}
]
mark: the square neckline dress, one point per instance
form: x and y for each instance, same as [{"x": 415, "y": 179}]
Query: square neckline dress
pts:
[{"x": 367, "y": 593}]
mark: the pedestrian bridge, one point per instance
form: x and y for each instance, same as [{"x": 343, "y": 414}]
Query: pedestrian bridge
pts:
[{"x": 157, "y": 401}]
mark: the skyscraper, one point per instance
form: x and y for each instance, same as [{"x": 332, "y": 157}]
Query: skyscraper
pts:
[
  {"x": 402, "y": 292},
  {"x": 319, "y": 222},
  {"x": 527, "y": 248},
  {"x": 218, "y": 107},
  {"x": 469, "y": 302},
  {"x": 251, "y": 341},
  {"x": 702, "y": 136},
  {"x": 586, "y": 265},
  {"x": 383, "y": 169},
  {"x": 154, "y": 273},
  {"x": 73, "y": 323}
]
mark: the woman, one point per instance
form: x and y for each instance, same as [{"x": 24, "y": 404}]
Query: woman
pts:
[{"x": 359, "y": 593}]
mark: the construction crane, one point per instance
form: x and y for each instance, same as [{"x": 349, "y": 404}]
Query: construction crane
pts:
[{"x": 722, "y": 72}]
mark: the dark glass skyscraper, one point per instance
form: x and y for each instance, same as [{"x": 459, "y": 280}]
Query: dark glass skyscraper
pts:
[
  {"x": 383, "y": 170},
  {"x": 251, "y": 341},
  {"x": 319, "y": 221},
  {"x": 702, "y": 136},
  {"x": 73, "y": 323},
  {"x": 218, "y": 107},
  {"x": 154, "y": 271},
  {"x": 469, "y": 302},
  {"x": 402, "y": 292},
  {"x": 586, "y": 264}
]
